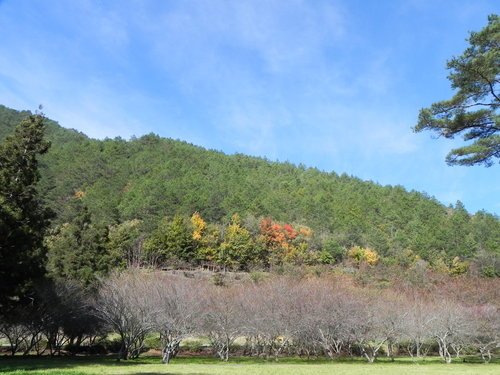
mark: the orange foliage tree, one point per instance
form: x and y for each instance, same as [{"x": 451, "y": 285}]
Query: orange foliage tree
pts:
[{"x": 285, "y": 243}]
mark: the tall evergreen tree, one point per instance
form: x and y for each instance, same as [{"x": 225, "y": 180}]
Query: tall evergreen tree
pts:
[
  {"x": 172, "y": 241},
  {"x": 78, "y": 250},
  {"x": 23, "y": 216}
]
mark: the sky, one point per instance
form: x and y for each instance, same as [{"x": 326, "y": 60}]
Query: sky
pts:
[{"x": 331, "y": 84}]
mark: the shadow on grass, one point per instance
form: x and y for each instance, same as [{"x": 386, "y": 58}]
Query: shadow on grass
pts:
[
  {"x": 33, "y": 363},
  {"x": 82, "y": 365},
  {"x": 97, "y": 364},
  {"x": 323, "y": 360}
]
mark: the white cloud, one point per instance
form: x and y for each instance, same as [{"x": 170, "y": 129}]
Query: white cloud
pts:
[{"x": 279, "y": 35}]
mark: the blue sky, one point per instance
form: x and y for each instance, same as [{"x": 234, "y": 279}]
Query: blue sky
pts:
[{"x": 331, "y": 84}]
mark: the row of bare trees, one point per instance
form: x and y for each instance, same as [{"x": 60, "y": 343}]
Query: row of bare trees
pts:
[
  {"x": 58, "y": 315},
  {"x": 287, "y": 316},
  {"x": 278, "y": 316}
]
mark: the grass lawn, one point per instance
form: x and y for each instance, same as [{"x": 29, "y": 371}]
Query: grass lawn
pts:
[{"x": 240, "y": 366}]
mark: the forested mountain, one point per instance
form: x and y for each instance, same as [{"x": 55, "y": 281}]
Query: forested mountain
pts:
[{"x": 150, "y": 177}]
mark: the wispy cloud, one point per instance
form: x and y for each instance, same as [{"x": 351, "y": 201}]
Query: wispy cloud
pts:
[{"x": 334, "y": 84}]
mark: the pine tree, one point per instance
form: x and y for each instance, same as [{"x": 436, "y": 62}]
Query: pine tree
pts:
[
  {"x": 473, "y": 111},
  {"x": 171, "y": 242},
  {"x": 78, "y": 250},
  {"x": 23, "y": 216}
]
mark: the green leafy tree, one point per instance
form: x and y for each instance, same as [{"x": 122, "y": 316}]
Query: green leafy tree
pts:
[
  {"x": 78, "y": 250},
  {"x": 206, "y": 237},
  {"x": 23, "y": 216},
  {"x": 238, "y": 248},
  {"x": 331, "y": 251},
  {"x": 125, "y": 243},
  {"x": 488, "y": 264},
  {"x": 459, "y": 239},
  {"x": 172, "y": 241},
  {"x": 486, "y": 231},
  {"x": 473, "y": 110}
]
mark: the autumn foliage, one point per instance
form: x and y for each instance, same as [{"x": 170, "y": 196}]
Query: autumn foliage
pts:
[
  {"x": 286, "y": 243},
  {"x": 361, "y": 255}
]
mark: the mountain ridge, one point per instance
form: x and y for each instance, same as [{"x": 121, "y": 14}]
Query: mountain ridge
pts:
[{"x": 150, "y": 177}]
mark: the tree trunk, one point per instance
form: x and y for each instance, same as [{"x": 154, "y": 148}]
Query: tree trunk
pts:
[
  {"x": 485, "y": 355},
  {"x": 390, "y": 351},
  {"x": 444, "y": 353},
  {"x": 170, "y": 350},
  {"x": 123, "y": 353}
]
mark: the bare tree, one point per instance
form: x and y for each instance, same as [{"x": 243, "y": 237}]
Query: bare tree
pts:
[
  {"x": 273, "y": 315},
  {"x": 125, "y": 304},
  {"x": 34, "y": 320},
  {"x": 366, "y": 327},
  {"x": 448, "y": 326},
  {"x": 330, "y": 308},
  {"x": 485, "y": 332},
  {"x": 303, "y": 318},
  {"x": 179, "y": 308},
  {"x": 416, "y": 325},
  {"x": 392, "y": 320},
  {"x": 61, "y": 307},
  {"x": 222, "y": 321},
  {"x": 15, "y": 332}
]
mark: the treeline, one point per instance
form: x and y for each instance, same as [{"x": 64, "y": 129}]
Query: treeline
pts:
[
  {"x": 273, "y": 317},
  {"x": 147, "y": 178},
  {"x": 84, "y": 252}
]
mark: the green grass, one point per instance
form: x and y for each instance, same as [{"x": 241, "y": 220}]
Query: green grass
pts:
[{"x": 240, "y": 366}]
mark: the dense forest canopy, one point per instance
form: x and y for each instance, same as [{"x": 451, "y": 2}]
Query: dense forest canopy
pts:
[{"x": 150, "y": 178}]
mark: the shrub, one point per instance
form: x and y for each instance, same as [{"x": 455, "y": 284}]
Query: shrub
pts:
[
  {"x": 153, "y": 342},
  {"x": 359, "y": 255}
]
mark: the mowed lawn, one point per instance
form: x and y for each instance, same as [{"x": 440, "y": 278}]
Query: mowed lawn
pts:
[{"x": 236, "y": 366}]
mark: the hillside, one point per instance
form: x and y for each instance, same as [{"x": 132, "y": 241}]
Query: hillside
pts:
[{"x": 151, "y": 177}]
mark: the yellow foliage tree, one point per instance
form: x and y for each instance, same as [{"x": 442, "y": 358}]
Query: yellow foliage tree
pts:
[
  {"x": 356, "y": 254},
  {"x": 206, "y": 237},
  {"x": 359, "y": 255},
  {"x": 371, "y": 257},
  {"x": 440, "y": 265},
  {"x": 199, "y": 226},
  {"x": 79, "y": 194},
  {"x": 458, "y": 267}
]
